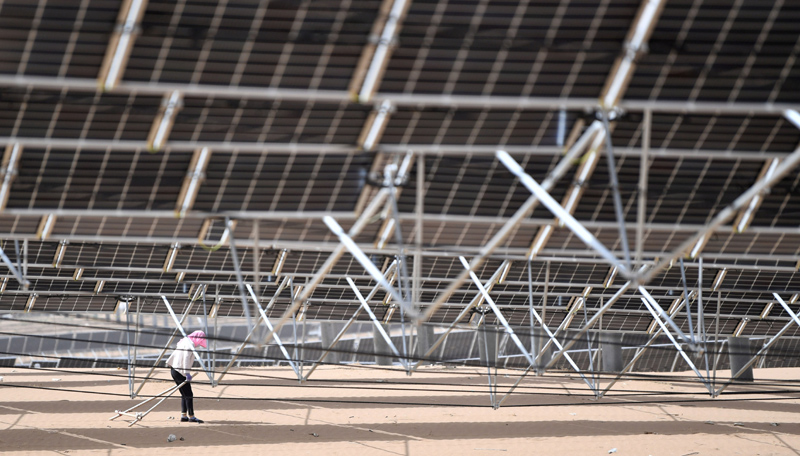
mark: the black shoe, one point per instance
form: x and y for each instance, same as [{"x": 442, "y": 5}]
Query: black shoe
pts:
[
  {"x": 195, "y": 419},
  {"x": 184, "y": 419}
]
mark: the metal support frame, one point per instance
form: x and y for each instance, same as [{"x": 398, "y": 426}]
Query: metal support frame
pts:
[
  {"x": 128, "y": 343},
  {"x": 640, "y": 350},
  {"x": 697, "y": 241},
  {"x": 795, "y": 320},
  {"x": 683, "y": 354},
  {"x": 595, "y": 318},
  {"x": 644, "y": 167},
  {"x": 614, "y": 181},
  {"x": 496, "y": 310},
  {"x": 523, "y": 212},
  {"x": 573, "y": 224},
  {"x": 243, "y": 148},
  {"x": 275, "y": 336},
  {"x": 24, "y": 283},
  {"x": 418, "y": 235},
  {"x": 661, "y": 313},
  {"x": 252, "y": 331},
  {"x": 335, "y": 340},
  {"x": 377, "y": 323},
  {"x": 473, "y": 303},
  {"x": 196, "y": 354},
  {"x": 365, "y": 262},
  {"x": 337, "y": 253},
  {"x": 562, "y": 352}
]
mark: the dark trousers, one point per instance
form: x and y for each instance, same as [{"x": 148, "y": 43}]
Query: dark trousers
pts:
[{"x": 187, "y": 398}]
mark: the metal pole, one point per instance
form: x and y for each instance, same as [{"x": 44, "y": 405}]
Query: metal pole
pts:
[
  {"x": 420, "y": 211},
  {"x": 612, "y": 176},
  {"x": 613, "y": 299},
  {"x": 546, "y": 289},
  {"x": 128, "y": 337},
  {"x": 686, "y": 297},
  {"x": 530, "y": 304},
  {"x": 337, "y": 253},
  {"x": 365, "y": 262},
  {"x": 136, "y": 341},
  {"x": 216, "y": 331},
  {"x": 496, "y": 311},
  {"x": 562, "y": 352},
  {"x": 398, "y": 99},
  {"x": 485, "y": 330},
  {"x": 717, "y": 345},
  {"x": 589, "y": 344},
  {"x": 333, "y": 343},
  {"x": 25, "y": 283},
  {"x": 639, "y": 352},
  {"x": 205, "y": 327},
  {"x": 701, "y": 331},
  {"x": 256, "y": 257},
  {"x": 238, "y": 270},
  {"x": 22, "y": 281},
  {"x": 643, "y": 177}
]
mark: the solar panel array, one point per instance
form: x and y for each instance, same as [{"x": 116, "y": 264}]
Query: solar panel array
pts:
[{"x": 271, "y": 89}]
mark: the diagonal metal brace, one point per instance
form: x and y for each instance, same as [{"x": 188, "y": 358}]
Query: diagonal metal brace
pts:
[
  {"x": 678, "y": 346},
  {"x": 377, "y": 323},
  {"x": 571, "y": 222},
  {"x": 496, "y": 311},
  {"x": 275, "y": 336},
  {"x": 250, "y": 334},
  {"x": 362, "y": 258},
  {"x": 489, "y": 284}
]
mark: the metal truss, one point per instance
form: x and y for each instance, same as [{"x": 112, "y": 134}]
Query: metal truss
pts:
[
  {"x": 378, "y": 325},
  {"x": 252, "y": 331},
  {"x": 389, "y": 272}
]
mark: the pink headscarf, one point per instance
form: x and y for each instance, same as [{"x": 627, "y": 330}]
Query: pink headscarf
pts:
[{"x": 198, "y": 338}]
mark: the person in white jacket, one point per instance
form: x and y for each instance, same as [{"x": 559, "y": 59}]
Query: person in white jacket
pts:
[{"x": 180, "y": 363}]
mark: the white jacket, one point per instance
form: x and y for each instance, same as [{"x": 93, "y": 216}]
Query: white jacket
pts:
[{"x": 182, "y": 358}]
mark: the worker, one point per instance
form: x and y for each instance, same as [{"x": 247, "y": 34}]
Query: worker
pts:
[{"x": 180, "y": 363}]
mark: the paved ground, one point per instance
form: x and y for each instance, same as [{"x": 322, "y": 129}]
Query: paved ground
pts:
[{"x": 369, "y": 411}]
